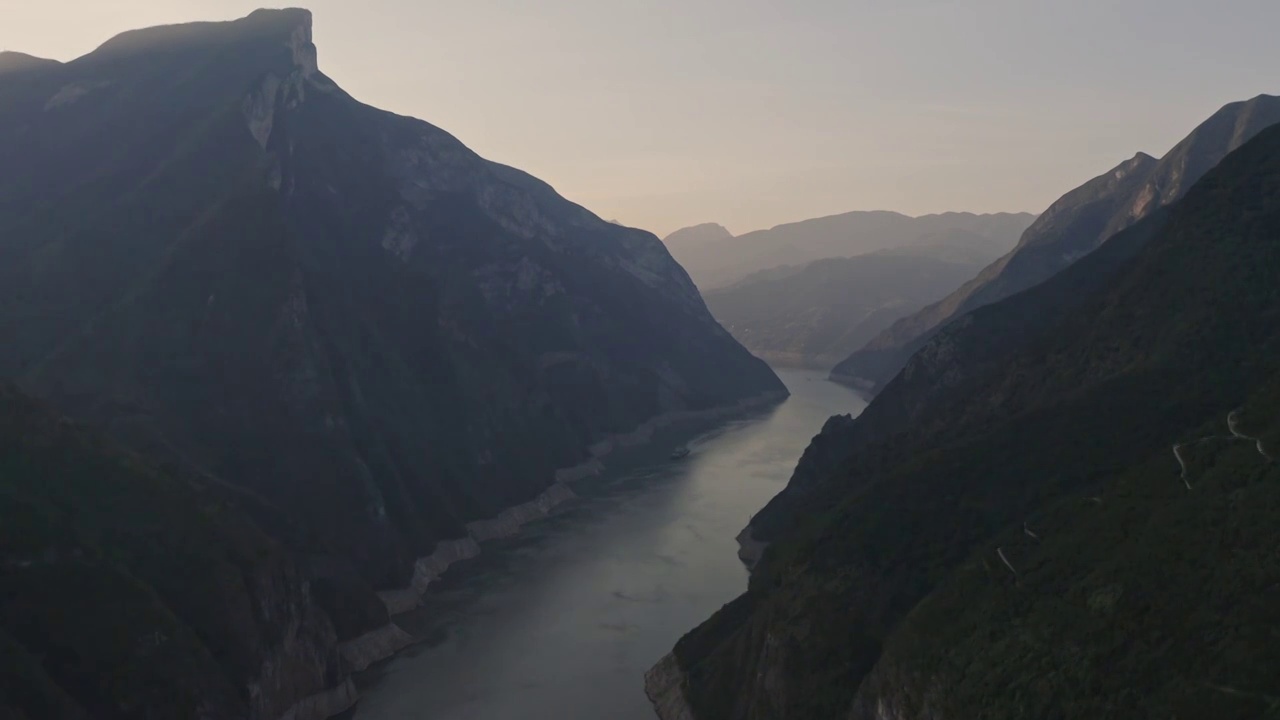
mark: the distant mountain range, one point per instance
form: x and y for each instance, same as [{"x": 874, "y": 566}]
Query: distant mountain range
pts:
[
  {"x": 715, "y": 259},
  {"x": 817, "y": 314},
  {"x": 1064, "y": 505},
  {"x": 1071, "y": 228}
]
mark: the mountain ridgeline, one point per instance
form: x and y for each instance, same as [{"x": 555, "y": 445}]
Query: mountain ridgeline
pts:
[
  {"x": 716, "y": 259},
  {"x": 817, "y": 314},
  {"x": 1077, "y": 224},
  {"x": 1063, "y": 507},
  {"x": 348, "y": 347}
]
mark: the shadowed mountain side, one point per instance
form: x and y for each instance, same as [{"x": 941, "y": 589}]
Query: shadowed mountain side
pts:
[
  {"x": 1025, "y": 531},
  {"x": 130, "y": 590},
  {"x": 1071, "y": 228},
  {"x": 397, "y": 347}
]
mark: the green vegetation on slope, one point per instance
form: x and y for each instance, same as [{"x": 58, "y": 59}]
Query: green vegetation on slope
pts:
[
  {"x": 1153, "y": 601},
  {"x": 1181, "y": 333},
  {"x": 126, "y": 591}
]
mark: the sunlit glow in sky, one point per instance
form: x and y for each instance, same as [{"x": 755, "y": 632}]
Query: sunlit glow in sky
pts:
[{"x": 664, "y": 113}]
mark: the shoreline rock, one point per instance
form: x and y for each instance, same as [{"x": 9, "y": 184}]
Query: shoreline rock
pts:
[
  {"x": 644, "y": 432},
  {"x": 509, "y": 522},
  {"x": 868, "y": 388},
  {"x": 750, "y": 550},
  {"x": 324, "y": 704},
  {"x": 375, "y": 645},
  {"x": 426, "y": 571},
  {"x": 662, "y": 683},
  {"x": 664, "y": 686}
]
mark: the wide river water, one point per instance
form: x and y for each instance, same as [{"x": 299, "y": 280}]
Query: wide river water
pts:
[{"x": 562, "y": 622}]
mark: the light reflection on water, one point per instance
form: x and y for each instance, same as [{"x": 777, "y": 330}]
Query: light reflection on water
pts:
[{"x": 562, "y": 622}]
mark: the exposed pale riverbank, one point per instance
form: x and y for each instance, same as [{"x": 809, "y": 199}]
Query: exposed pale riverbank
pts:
[{"x": 563, "y": 621}]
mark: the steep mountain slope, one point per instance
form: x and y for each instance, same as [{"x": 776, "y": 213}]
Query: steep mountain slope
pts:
[
  {"x": 1069, "y": 533},
  {"x": 719, "y": 263},
  {"x": 211, "y": 250},
  {"x": 1071, "y": 228},
  {"x": 127, "y": 591},
  {"x": 815, "y": 315}
]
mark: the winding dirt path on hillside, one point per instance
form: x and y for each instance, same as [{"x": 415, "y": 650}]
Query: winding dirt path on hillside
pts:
[
  {"x": 1233, "y": 420},
  {"x": 1233, "y": 425},
  {"x": 1182, "y": 463}
]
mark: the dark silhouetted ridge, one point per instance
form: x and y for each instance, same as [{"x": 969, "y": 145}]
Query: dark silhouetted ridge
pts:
[
  {"x": 391, "y": 348},
  {"x": 1074, "y": 226},
  {"x": 1080, "y": 525}
]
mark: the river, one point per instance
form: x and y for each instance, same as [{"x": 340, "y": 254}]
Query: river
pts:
[{"x": 562, "y": 622}]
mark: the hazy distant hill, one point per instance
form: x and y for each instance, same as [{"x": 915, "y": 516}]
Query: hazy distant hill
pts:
[
  {"x": 690, "y": 238},
  {"x": 15, "y": 61},
  {"x": 1064, "y": 507},
  {"x": 715, "y": 259},
  {"x": 815, "y": 315},
  {"x": 1071, "y": 228}
]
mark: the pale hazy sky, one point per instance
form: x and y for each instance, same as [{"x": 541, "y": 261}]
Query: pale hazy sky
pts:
[{"x": 664, "y": 113}]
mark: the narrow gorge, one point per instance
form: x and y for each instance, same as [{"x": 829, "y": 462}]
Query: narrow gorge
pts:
[{"x": 1006, "y": 513}]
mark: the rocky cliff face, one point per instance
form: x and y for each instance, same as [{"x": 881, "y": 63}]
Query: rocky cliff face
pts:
[
  {"x": 144, "y": 592},
  {"x": 394, "y": 346},
  {"x": 1074, "y": 226},
  {"x": 1073, "y": 529}
]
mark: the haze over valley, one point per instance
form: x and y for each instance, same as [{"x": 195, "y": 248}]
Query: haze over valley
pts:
[
  {"x": 313, "y": 409},
  {"x": 809, "y": 294}
]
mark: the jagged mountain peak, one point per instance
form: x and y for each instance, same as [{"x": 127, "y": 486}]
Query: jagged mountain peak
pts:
[
  {"x": 1090, "y": 191},
  {"x": 339, "y": 241},
  {"x": 1224, "y": 131},
  {"x": 291, "y": 27}
]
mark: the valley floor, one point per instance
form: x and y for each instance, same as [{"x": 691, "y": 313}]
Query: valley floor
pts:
[{"x": 563, "y": 621}]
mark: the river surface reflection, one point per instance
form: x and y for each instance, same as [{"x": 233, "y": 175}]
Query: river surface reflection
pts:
[{"x": 562, "y": 622}]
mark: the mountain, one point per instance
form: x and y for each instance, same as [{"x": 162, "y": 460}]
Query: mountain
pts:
[
  {"x": 688, "y": 239},
  {"x": 16, "y": 61},
  {"x": 815, "y": 315},
  {"x": 130, "y": 590},
  {"x": 1079, "y": 527},
  {"x": 714, "y": 259},
  {"x": 395, "y": 347},
  {"x": 1071, "y": 228}
]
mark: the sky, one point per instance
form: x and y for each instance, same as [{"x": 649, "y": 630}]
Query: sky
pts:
[{"x": 752, "y": 113}]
